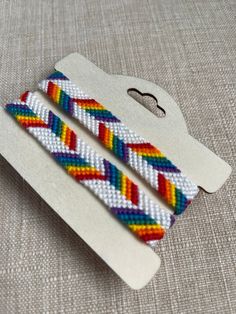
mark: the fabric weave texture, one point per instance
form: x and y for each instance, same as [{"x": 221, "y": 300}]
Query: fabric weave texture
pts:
[{"x": 189, "y": 49}]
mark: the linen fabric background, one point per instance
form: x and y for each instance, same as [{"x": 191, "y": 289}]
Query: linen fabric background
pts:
[{"x": 188, "y": 48}]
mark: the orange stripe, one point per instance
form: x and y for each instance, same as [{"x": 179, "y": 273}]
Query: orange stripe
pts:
[
  {"x": 54, "y": 92},
  {"x": 30, "y": 120},
  {"x": 89, "y": 105},
  {"x": 158, "y": 232},
  {"x": 147, "y": 151},
  {"x": 82, "y": 171},
  {"x": 128, "y": 188},
  {"x": 68, "y": 137},
  {"x": 106, "y": 136},
  {"x": 168, "y": 192},
  {"x": 110, "y": 139}
]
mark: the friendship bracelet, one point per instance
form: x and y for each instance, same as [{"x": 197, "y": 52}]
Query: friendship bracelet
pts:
[
  {"x": 122, "y": 196},
  {"x": 142, "y": 156}
]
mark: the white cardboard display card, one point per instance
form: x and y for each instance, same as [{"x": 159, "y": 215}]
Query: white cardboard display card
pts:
[{"x": 131, "y": 259}]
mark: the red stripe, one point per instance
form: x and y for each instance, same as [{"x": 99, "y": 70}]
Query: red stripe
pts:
[
  {"x": 134, "y": 194},
  {"x": 150, "y": 234},
  {"x": 140, "y": 145},
  {"x": 24, "y": 96},
  {"x": 33, "y": 124},
  {"x": 50, "y": 88},
  {"x": 102, "y": 131},
  {"x": 161, "y": 184},
  {"x": 155, "y": 235},
  {"x": 73, "y": 141},
  {"x": 85, "y": 101},
  {"x": 81, "y": 177}
]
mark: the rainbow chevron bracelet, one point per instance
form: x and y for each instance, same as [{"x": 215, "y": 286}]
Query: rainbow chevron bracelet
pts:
[
  {"x": 147, "y": 160},
  {"x": 122, "y": 196}
]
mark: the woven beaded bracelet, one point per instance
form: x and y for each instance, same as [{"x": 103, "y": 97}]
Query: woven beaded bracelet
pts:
[
  {"x": 142, "y": 156},
  {"x": 122, "y": 196}
]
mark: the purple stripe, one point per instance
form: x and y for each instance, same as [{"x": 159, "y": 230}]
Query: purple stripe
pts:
[
  {"x": 128, "y": 211},
  {"x": 165, "y": 169},
  {"x": 71, "y": 105},
  {"x": 50, "y": 119},
  {"x": 105, "y": 119},
  {"x": 106, "y": 164}
]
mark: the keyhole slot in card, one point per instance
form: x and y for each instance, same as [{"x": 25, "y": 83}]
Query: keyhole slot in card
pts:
[{"x": 147, "y": 100}]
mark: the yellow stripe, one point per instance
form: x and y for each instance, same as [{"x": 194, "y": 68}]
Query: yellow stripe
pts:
[
  {"x": 173, "y": 198},
  {"x": 145, "y": 227},
  {"x": 63, "y": 133},
  {"x": 82, "y": 169},
  {"x": 57, "y": 94},
  {"x": 91, "y": 107},
  {"x": 150, "y": 154},
  {"x": 123, "y": 185},
  {"x": 35, "y": 119},
  {"x": 110, "y": 139}
]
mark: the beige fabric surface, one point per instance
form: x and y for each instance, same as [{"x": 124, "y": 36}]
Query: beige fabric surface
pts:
[{"x": 188, "y": 48}]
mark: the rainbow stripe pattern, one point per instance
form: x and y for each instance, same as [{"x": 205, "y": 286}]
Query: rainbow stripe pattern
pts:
[
  {"x": 122, "y": 196},
  {"x": 145, "y": 158}
]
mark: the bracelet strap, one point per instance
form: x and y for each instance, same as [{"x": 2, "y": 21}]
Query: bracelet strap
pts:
[
  {"x": 147, "y": 160},
  {"x": 123, "y": 197}
]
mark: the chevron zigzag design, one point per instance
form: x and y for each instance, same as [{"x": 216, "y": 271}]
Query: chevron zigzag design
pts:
[
  {"x": 146, "y": 159},
  {"x": 122, "y": 196}
]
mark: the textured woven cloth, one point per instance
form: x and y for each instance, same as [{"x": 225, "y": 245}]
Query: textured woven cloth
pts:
[{"x": 188, "y": 48}]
